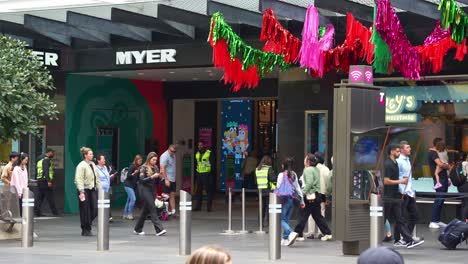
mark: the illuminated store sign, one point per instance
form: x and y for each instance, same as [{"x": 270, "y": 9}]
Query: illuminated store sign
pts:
[
  {"x": 145, "y": 56},
  {"x": 396, "y": 105}
]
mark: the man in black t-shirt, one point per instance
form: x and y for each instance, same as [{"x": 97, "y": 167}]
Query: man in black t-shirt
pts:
[
  {"x": 392, "y": 200},
  {"x": 434, "y": 161}
]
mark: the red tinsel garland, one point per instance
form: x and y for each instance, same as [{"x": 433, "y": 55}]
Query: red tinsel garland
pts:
[
  {"x": 278, "y": 39},
  {"x": 356, "y": 30},
  {"x": 434, "y": 53},
  {"x": 233, "y": 72},
  {"x": 356, "y": 46}
]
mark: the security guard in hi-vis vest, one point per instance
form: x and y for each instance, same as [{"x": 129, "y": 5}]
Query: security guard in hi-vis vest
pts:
[
  {"x": 45, "y": 178},
  {"x": 204, "y": 169},
  {"x": 266, "y": 182}
]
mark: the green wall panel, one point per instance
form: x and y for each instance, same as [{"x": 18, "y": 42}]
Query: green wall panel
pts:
[{"x": 98, "y": 101}]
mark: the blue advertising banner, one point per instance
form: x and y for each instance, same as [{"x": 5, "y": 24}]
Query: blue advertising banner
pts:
[{"x": 236, "y": 137}]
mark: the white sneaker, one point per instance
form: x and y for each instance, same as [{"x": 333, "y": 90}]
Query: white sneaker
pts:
[
  {"x": 284, "y": 242},
  {"x": 292, "y": 238},
  {"x": 35, "y": 235},
  {"x": 139, "y": 233},
  {"x": 441, "y": 224},
  {"x": 301, "y": 239},
  {"x": 326, "y": 238},
  {"x": 161, "y": 233},
  {"x": 434, "y": 225}
]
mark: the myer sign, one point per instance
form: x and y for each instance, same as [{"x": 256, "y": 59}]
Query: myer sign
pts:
[
  {"x": 47, "y": 58},
  {"x": 145, "y": 56}
]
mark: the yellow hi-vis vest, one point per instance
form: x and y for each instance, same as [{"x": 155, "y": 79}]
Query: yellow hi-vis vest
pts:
[
  {"x": 203, "y": 162},
  {"x": 262, "y": 177},
  {"x": 40, "y": 170}
]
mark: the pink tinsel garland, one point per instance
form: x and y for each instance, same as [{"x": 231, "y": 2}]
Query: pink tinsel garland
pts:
[{"x": 405, "y": 57}]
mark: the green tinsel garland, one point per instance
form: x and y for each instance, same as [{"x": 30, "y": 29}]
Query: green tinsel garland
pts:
[
  {"x": 382, "y": 53},
  {"x": 322, "y": 31},
  {"x": 265, "y": 61},
  {"x": 453, "y": 17}
]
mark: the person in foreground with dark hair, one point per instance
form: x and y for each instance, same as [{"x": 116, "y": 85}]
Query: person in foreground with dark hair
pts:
[
  {"x": 380, "y": 255},
  {"x": 392, "y": 200}
]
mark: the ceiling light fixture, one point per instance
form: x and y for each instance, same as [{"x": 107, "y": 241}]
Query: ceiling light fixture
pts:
[
  {"x": 108, "y": 75},
  {"x": 141, "y": 73},
  {"x": 171, "y": 72},
  {"x": 195, "y": 78}
]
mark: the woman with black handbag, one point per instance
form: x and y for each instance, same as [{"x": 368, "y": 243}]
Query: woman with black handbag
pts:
[{"x": 149, "y": 178}]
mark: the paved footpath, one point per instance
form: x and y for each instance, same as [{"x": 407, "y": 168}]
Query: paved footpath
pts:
[{"x": 60, "y": 242}]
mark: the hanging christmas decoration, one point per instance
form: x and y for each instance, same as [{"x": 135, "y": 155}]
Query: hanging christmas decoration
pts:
[
  {"x": 356, "y": 46},
  {"x": 250, "y": 58},
  {"x": 436, "y": 46},
  {"x": 312, "y": 49},
  {"x": 453, "y": 17},
  {"x": 233, "y": 71},
  {"x": 278, "y": 39},
  {"x": 356, "y": 30},
  {"x": 405, "y": 57},
  {"x": 382, "y": 62}
]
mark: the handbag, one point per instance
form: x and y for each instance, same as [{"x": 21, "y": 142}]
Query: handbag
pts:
[{"x": 286, "y": 189}]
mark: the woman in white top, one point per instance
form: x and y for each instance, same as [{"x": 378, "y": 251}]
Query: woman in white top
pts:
[
  {"x": 19, "y": 177},
  {"x": 288, "y": 177}
]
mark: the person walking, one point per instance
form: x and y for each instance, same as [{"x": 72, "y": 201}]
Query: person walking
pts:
[
  {"x": 434, "y": 162},
  {"x": 87, "y": 183},
  {"x": 311, "y": 190},
  {"x": 19, "y": 178},
  {"x": 45, "y": 178},
  {"x": 168, "y": 171},
  {"x": 149, "y": 178},
  {"x": 393, "y": 202},
  {"x": 266, "y": 181},
  {"x": 7, "y": 172},
  {"x": 407, "y": 190},
  {"x": 130, "y": 185},
  {"x": 204, "y": 165},
  {"x": 8, "y": 168},
  {"x": 288, "y": 190},
  {"x": 325, "y": 189},
  {"x": 104, "y": 175}
]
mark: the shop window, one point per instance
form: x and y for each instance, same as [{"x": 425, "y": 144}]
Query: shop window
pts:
[{"x": 316, "y": 132}]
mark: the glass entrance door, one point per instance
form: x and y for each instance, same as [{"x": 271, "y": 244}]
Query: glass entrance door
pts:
[{"x": 316, "y": 132}]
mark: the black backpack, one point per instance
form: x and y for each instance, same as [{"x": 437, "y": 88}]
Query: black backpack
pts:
[
  {"x": 453, "y": 234},
  {"x": 457, "y": 176}
]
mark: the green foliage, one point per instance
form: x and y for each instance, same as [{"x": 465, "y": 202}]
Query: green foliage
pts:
[{"x": 24, "y": 104}]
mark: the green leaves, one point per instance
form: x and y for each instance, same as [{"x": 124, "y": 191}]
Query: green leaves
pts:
[{"x": 24, "y": 83}]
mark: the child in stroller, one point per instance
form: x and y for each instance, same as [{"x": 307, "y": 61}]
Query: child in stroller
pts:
[{"x": 163, "y": 206}]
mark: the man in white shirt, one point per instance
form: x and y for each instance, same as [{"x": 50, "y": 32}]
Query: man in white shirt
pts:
[
  {"x": 409, "y": 195},
  {"x": 324, "y": 189}
]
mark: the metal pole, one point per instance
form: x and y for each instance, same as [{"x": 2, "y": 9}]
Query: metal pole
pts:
[
  {"x": 27, "y": 232},
  {"x": 275, "y": 228},
  {"x": 243, "y": 231},
  {"x": 185, "y": 234},
  {"x": 229, "y": 231},
  {"x": 260, "y": 213},
  {"x": 103, "y": 221},
  {"x": 376, "y": 221}
]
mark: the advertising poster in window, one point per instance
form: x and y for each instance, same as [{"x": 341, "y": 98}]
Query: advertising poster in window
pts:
[{"x": 235, "y": 141}]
